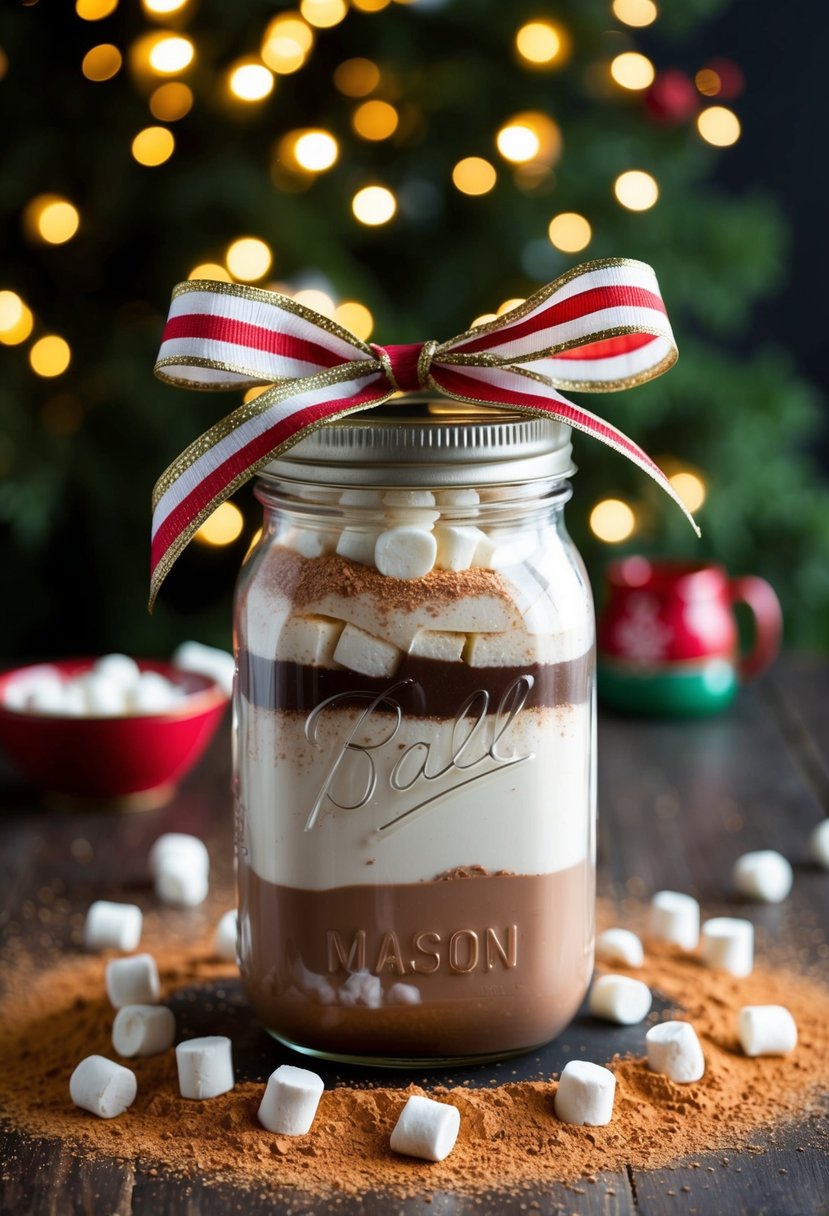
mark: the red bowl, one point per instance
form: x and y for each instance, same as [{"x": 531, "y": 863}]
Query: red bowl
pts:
[{"x": 134, "y": 759}]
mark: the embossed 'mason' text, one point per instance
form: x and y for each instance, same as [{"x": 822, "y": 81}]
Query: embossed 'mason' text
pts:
[{"x": 425, "y": 952}]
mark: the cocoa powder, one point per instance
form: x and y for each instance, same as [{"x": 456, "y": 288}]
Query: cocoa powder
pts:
[{"x": 53, "y": 1016}]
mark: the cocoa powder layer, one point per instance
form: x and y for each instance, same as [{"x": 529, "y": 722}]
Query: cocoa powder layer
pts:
[{"x": 509, "y": 1138}]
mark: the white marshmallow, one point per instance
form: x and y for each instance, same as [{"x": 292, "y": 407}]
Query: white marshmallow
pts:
[
  {"x": 205, "y": 1067},
  {"x": 405, "y": 552},
  {"x": 437, "y": 644},
  {"x": 103, "y": 1087},
  {"x": 764, "y": 875},
  {"x": 75, "y": 704},
  {"x": 357, "y": 544},
  {"x": 309, "y": 542},
  {"x": 674, "y": 918},
  {"x": 456, "y": 546},
  {"x": 102, "y": 696},
  {"x": 513, "y": 648},
  {"x": 728, "y": 945},
  {"x": 457, "y": 498},
  {"x": 819, "y": 844},
  {"x": 311, "y": 983},
  {"x": 290, "y": 1101},
  {"x": 210, "y": 661},
  {"x": 426, "y": 1129},
  {"x": 118, "y": 669},
  {"x": 180, "y": 884},
  {"x": 309, "y": 640},
  {"x": 224, "y": 942},
  {"x": 766, "y": 1030},
  {"x": 361, "y": 652},
  {"x": 113, "y": 926},
  {"x": 178, "y": 843},
  {"x": 133, "y": 981},
  {"x": 152, "y": 694},
  {"x": 47, "y": 693},
  {"x": 403, "y": 994},
  {"x": 620, "y": 999},
  {"x": 620, "y": 946},
  {"x": 143, "y": 1030},
  {"x": 498, "y": 551},
  {"x": 415, "y": 517},
  {"x": 362, "y": 988},
  {"x": 585, "y": 1094},
  {"x": 408, "y": 498},
  {"x": 674, "y": 1050}
]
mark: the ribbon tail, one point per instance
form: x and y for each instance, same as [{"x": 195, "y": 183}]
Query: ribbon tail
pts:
[
  {"x": 528, "y": 393},
  {"x": 234, "y": 449}
]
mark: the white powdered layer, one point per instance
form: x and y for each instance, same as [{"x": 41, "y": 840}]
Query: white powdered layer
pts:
[{"x": 347, "y": 797}]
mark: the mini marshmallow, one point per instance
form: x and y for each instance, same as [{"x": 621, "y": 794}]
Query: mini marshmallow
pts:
[
  {"x": 728, "y": 945},
  {"x": 403, "y": 994},
  {"x": 456, "y": 546},
  {"x": 585, "y": 1094},
  {"x": 152, "y": 694},
  {"x": 408, "y": 498},
  {"x": 498, "y": 550},
  {"x": 118, "y": 669},
  {"x": 438, "y": 644},
  {"x": 103, "y": 1087},
  {"x": 171, "y": 843},
  {"x": 310, "y": 542},
  {"x": 224, "y": 942},
  {"x": 370, "y": 656},
  {"x": 620, "y": 999},
  {"x": 205, "y": 1067},
  {"x": 766, "y": 1030},
  {"x": 133, "y": 981},
  {"x": 102, "y": 695},
  {"x": 47, "y": 694},
  {"x": 210, "y": 661},
  {"x": 620, "y": 946},
  {"x": 674, "y": 918},
  {"x": 290, "y": 1101},
  {"x": 426, "y": 1129},
  {"x": 362, "y": 988},
  {"x": 457, "y": 498},
  {"x": 674, "y": 1050},
  {"x": 765, "y": 876},
  {"x": 357, "y": 544},
  {"x": 309, "y": 640},
  {"x": 113, "y": 926},
  {"x": 819, "y": 844},
  {"x": 405, "y": 552},
  {"x": 143, "y": 1030},
  {"x": 180, "y": 865}
]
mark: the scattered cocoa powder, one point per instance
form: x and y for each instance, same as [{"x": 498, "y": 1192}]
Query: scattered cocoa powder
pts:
[{"x": 509, "y": 1135}]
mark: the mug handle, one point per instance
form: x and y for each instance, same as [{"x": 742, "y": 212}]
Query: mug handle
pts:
[{"x": 761, "y": 600}]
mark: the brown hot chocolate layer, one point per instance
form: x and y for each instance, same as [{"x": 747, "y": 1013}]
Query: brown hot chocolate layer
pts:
[
  {"x": 451, "y": 968},
  {"x": 423, "y": 687}
]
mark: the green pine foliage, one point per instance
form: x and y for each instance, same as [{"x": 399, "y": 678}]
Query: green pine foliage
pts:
[{"x": 79, "y": 453}]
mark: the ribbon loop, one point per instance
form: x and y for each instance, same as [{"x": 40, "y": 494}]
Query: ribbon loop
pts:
[{"x": 600, "y": 327}]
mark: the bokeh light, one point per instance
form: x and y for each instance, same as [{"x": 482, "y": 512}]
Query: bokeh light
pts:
[
  {"x": 171, "y": 101},
  {"x": 163, "y": 8},
  {"x": 690, "y": 487},
  {"x": 631, "y": 70},
  {"x": 250, "y": 81},
  {"x": 313, "y": 297},
  {"x": 484, "y": 319},
  {"x": 314, "y": 151},
  {"x": 612, "y": 521},
  {"x": 718, "y": 126},
  {"x": 357, "y": 77},
  {"x": 370, "y": 6},
  {"x": 637, "y": 13},
  {"x": 50, "y": 356},
  {"x": 708, "y": 82},
  {"x": 355, "y": 316},
  {"x": 170, "y": 54},
  {"x": 248, "y": 259},
  {"x": 539, "y": 43},
  {"x": 569, "y": 232},
  {"x": 287, "y": 43},
  {"x": 51, "y": 218},
  {"x": 16, "y": 320},
  {"x": 510, "y": 304},
  {"x": 374, "y": 205},
  {"x": 101, "y": 62},
  {"x": 636, "y": 190},
  {"x": 210, "y": 270},
  {"x": 323, "y": 13},
  {"x": 474, "y": 175},
  {"x": 95, "y": 10},
  {"x": 517, "y": 143},
  {"x": 375, "y": 120},
  {"x": 223, "y": 527},
  {"x": 153, "y": 146}
]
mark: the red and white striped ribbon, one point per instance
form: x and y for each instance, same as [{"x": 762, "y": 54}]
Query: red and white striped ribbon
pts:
[{"x": 599, "y": 328}]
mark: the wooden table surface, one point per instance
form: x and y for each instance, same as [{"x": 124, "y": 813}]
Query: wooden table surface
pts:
[{"x": 679, "y": 801}]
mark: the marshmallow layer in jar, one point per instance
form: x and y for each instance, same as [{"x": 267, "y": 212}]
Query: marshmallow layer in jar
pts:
[{"x": 415, "y": 769}]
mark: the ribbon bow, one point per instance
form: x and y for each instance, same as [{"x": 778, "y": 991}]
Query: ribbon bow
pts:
[{"x": 600, "y": 327}]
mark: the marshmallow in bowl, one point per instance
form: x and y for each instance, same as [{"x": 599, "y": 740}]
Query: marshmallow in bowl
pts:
[
  {"x": 210, "y": 661},
  {"x": 113, "y": 687}
]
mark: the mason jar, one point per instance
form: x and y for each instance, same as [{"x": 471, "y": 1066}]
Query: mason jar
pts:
[{"x": 414, "y": 734}]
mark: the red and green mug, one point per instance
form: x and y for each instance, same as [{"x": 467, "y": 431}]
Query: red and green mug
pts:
[{"x": 668, "y": 636}]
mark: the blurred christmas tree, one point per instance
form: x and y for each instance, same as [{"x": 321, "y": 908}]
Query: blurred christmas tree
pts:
[{"x": 409, "y": 166}]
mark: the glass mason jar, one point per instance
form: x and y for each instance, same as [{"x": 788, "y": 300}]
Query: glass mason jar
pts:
[{"x": 414, "y": 740}]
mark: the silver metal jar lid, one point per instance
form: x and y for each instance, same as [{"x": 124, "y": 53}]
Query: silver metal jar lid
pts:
[{"x": 415, "y": 440}]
